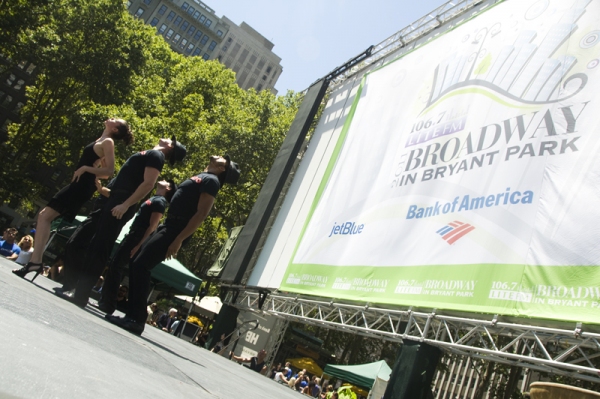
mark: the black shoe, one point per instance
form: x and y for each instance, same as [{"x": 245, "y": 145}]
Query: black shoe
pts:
[
  {"x": 29, "y": 268},
  {"x": 127, "y": 324},
  {"x": 61, "y": 290},
  {"x": 106, "y": 308},
  {"x": 69, "y": 296}
]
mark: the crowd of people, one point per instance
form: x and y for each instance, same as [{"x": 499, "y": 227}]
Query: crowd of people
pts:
[
  {"x": 302, "y": 382},
  {"x": 87, "y": 255}
]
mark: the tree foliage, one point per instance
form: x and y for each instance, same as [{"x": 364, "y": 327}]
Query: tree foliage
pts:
[{"x": 95, "y": 61}]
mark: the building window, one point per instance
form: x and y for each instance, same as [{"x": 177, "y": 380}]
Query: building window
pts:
[
  {"x": 269, "y": 69},
  {"x": 162, "y": 29},
  {"x": 207, "y": 22},
  {"x": 196, "y": 15},
  {"x": 10, "y": 80},
  {"x": 224, "y": 48},
  {"x": 229, "y": 40},
  {"x": 22, "y": 64},
  {"x": 185, "y": 6},
  {"x": 171, "y": 16},
  {"x": 183, "y": 43},
  {"x": 264, "y": 77},
  {"x": 198, "y": 35},
  {"x": 19, "y": 84},
  {"x": 259, "y": 87},
  {"x": 191, "y": 10},
  {"x": 18, "y": 107},
  {"x": 147, "y": 2},
  {"x": 219, "y": 33},
  {"x": 169, "y": 34},
  {"x": 176, "y": 38},
  {"x": 189, "y": 49},
  {"x": 139, "y": 12},
  {"x": 162, "y": 9},
  {"x": 30, "y": 69},
  {"x": 206, "y": 56},
  {"x": 204, "y": 40},
  {"x": 154, "y": 21},
  {"x": 212, "y": 46},
  {"x": 184, "y": 25},
  {"x": 7, "y": 101},
  {"x": 196, "y": 52},
  {"x": 191, "y": 30},
  {"x": 177, "y": 21},
  {"x": 202, "y": 18}
]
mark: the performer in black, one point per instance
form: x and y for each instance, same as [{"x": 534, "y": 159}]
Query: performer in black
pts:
[
  {"x": 97, "y": 159},
  {"x": 144, "y": 224},
  {"x": 134, "y": 181},
  {"x": 190, "y": 205}
]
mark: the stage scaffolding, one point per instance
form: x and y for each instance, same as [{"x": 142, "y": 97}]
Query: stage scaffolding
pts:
[
  {"x": 552, "y": 350},
  {"x": 569, "y": 351}
]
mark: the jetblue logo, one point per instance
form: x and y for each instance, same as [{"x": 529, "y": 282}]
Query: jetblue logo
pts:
[
  {"x": 455, "y": 230},
  {"x": 346, "y": 229}
]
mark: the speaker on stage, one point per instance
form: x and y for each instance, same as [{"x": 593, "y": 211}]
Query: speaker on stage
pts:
[
  {"x": 224, "y": 324},
  {"x": 413, "y": 371}
]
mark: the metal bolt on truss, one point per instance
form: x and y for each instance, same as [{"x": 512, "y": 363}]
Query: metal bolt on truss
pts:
[{"x": 574, "y": 353}]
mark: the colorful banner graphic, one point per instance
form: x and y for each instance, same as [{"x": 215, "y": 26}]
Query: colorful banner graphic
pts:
[{"x": 467, "y": 174}]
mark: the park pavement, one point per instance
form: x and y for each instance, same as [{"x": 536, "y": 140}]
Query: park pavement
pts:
[{"x": 50, "y": 348}]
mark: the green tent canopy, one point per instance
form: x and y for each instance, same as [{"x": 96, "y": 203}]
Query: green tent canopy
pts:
[
  {"x": 171, "y": 273},
  {"x": 362, "y": 375}
]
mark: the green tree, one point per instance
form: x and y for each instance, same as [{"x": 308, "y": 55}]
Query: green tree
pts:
[{"x": 87, "y": 53}]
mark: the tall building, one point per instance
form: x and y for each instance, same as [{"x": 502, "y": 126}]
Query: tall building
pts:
[
  {"x": 194, "y": 29},
  {"x": 249, "y": 54}
]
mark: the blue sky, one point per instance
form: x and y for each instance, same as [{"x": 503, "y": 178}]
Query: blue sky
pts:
[{"x": 312, "y": 37}]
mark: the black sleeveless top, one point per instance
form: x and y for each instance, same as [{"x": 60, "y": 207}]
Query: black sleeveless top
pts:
[
  {"x": 71, "y": 198},
  {"x": 88, "y": 157}
]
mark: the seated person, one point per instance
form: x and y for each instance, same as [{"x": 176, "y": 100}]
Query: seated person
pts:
[
  {"x": 26, "y": 245},
  {"x": 8, "y": 248},
  {"x": 165, "y": 322}
]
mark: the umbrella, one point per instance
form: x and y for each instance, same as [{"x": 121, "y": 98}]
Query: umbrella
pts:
[{"x": 306, "y": 363}]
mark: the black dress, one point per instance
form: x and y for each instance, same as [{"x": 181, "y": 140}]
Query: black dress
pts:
[{"x": 71, "y": 198}]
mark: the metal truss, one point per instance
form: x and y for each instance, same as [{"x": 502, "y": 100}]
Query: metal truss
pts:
[
  {"x": 411, "y": 33},
  {"x": 572, "y": 353}
]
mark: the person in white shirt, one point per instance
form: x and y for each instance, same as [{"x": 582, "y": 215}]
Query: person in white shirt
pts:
[{"x": 26, "y": 245}]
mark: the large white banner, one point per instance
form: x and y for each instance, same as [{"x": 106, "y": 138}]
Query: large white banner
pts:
[{"x": 467, "y": 175}]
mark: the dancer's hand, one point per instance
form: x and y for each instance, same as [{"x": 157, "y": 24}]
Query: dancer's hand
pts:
[
  {"x": 134, "y": 250},
  {"x": 173, "y": 249},
  {"x": 119, "y": 210},
  {"x": 78, "y": 173}
]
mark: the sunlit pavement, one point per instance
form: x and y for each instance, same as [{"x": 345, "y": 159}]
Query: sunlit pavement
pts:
[{"x": 53, "y": 349}]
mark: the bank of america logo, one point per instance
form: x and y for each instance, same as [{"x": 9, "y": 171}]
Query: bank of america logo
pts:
[{"x": 453, "y": 231}]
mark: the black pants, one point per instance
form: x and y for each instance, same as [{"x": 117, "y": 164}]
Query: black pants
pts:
[
  {"x": 117, "y": 266},
  {"x": 99, "y": 248},
  {"x": 76, "y": 248},
  {"x": 152, "y": 252}
]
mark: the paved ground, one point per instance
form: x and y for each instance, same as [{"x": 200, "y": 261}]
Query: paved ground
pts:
[{"x": 50, "y": 348}]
